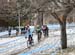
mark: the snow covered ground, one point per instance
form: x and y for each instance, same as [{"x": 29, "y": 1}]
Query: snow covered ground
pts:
[
  {"x": 50, "y": 45},
  {"x": 14, "y": 43},
  {"x": 19, "y": 43},
  {"x": 5, "y": 34}
]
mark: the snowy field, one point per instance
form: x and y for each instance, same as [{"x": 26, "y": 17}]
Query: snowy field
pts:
[
  {"x": 16, "y": 44},
  {"x": 5, "y": 34},
  {"x": 52, "y": 44}
]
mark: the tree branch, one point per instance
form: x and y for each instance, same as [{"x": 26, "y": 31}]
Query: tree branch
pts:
[
  {"x": 67, "y": 11},
  {"x": 56, "y": 17}
]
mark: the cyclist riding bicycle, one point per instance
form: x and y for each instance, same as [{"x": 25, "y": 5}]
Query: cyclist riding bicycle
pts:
[
  {"x": 30, "y": 38},
  {"x": 39, "y": 33}
]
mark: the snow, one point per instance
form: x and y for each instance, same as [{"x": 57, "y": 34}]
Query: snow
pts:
[
  {"x": 6, "y": 32},
  {"x": 19, "y": 42},
  {"x": 6, "y": 40}
]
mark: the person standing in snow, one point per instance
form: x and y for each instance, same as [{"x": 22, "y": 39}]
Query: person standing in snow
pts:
[{"x": 9, "y": 30}]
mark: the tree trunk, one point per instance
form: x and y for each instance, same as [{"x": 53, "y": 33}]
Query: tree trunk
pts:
[
  {"x": 42, "y": 18},
  {"x": 63, "y": 36}
]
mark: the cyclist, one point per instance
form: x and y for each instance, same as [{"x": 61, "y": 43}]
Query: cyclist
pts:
[
  {"x": 45, "y": 30},
  {"x": 30, "y": 38},
  {"x": 39, "y": 33}
]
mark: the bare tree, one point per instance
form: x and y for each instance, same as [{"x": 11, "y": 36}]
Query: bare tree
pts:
[
  {"x": 7, "y": 12},
  {"x": 63, "y": 7},
  {"x": 56, "y": 8}
]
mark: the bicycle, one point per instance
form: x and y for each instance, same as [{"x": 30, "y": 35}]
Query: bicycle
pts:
[
  {"x": 30, "y": 42},
  {"x": 39, "y": 36}
]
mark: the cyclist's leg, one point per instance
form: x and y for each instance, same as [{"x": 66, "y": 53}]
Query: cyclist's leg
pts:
[
  {"x": 46, "y": 33},
  {"x": 31, "y": 43},
  {"x": 38, "y": 37},
  {"x": 38, "y": 33},
  {"x": 28, "y": 43}
]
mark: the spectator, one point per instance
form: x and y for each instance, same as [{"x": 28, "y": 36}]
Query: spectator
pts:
[{"x": 9, "y": 30}]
